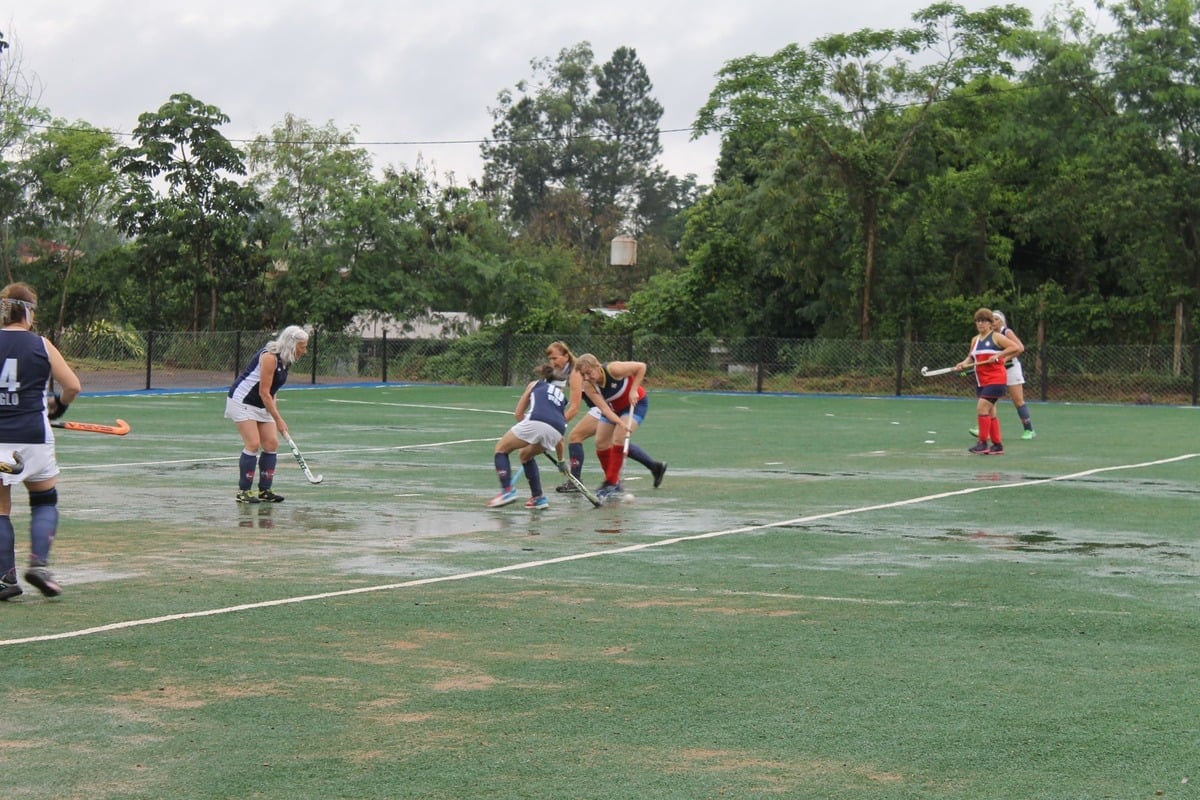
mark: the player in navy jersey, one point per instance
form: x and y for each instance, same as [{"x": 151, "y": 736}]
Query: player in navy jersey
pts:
[
  {"x": 251, "y": 405},
  {"x": 540, "y": 412},
  {"x": 29, "y": 363},
  {"x": 989, "y": 349}
]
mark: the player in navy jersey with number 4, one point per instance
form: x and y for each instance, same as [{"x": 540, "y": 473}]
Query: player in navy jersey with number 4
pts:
[
  {"x": 989, "y": 349},
  {"x": 540, "y": 412},
  {"x": 28, "y": 364}
]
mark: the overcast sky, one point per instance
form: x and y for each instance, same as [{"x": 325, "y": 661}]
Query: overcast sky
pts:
[{"x": 420, "y": 75}]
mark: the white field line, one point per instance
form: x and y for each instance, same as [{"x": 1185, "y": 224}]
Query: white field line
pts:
[
  {"x": 419, "y": 405},
  {"x": 306, "y": 452},
  {"x": 528, "y": 565}
]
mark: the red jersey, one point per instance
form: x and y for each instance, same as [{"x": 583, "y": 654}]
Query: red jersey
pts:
[{"x": 983, "y": 350}]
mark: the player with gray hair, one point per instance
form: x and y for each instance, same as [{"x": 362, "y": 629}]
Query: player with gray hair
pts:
[{"x": 251, "y": 405}]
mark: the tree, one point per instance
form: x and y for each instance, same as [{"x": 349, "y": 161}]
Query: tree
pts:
[
  {"x": 317, "y": 187},
  {"x": 1155, "y": 73},
  {"x": 192, "y": 238},
  {"x": 851, "y": 106},
  {"x": 74, "y": 184},
  {"x": 19, "y": 95},
  {"x": 579, "y": 128}
]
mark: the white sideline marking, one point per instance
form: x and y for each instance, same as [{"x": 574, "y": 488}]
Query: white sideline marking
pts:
[{"x": 483, "y": 573}]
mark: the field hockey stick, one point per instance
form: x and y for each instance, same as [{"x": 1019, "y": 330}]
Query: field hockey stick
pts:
[
  {"x": 300, "y": 460},
  {"x": 15, "y": 467},
  {"x": 578, "y": 484},
  {"x": 929, "y": 373},
  {"x": 625, "y": 449},
  {"x": 120, "y": 429}
]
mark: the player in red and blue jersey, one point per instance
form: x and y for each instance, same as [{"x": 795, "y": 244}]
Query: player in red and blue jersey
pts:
[
  {"x": 988, "y": 352},
  {"x": 620, "y": 384}
]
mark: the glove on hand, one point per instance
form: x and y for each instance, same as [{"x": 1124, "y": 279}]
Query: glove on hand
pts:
[{"x": 59, "y": 409}]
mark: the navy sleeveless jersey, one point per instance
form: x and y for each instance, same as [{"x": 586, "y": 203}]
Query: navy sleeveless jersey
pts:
[
  {"x": 246, "y": 388},
  {"x": 24, "y": 381},
  {"x": 546, "y": 404}
]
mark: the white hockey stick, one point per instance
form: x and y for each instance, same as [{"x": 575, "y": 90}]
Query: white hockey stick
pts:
[
  {"x": 583, "y": 490},
  {"x": 300, "y": 460},
  {"x": 929, "y": 373}
]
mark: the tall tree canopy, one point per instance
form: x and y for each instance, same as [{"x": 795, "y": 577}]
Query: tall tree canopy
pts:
[
  {"x": 192, "y": 236},
  {"x": 843, "y": 114}
]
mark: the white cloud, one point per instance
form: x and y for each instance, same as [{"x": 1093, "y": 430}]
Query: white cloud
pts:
[{"x": 402, "y": 71}]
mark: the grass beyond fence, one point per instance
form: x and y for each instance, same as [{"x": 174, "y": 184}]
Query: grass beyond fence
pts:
[{"x": 827, "y": 598}]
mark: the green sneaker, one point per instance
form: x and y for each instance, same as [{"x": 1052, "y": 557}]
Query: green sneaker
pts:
[
  {"x": 1028, "y": 434},
  {"x": 267, "y": 496},
  {"x": 246, "y": 496}
]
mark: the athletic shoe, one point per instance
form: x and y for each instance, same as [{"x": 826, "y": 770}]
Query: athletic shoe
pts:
[
  {"x": 981, "y": 449},
  {"x": 537, "y": 503},
  {"x": 1028, "y": 434},
  {"x": 974, "y": 432},
  {"x": 504, "y": 498},
  {"x": 267, "y": 496},
  {"x": 246, "y": 496},
  {"x": 605, "y": 490},
  {"x": 567, "y": 488},
  {"x": 43, "y": 581},
  {"x": 9, "y": 590},
  {"x": 996, "y": 450},
  {"x": 658, "y": 471}
]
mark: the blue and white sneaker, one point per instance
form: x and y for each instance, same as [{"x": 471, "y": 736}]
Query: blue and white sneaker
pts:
[
  {"x": 504, "y": 498},
  {"x": 609, "y": 491},
  {"x": 537, "y": 503}
]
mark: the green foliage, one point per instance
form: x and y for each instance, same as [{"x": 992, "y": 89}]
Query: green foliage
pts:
[
  {"x": 105, "y": 340},
  {"x": 879, "y": 183},
  {"x": 470, "y": 359}
]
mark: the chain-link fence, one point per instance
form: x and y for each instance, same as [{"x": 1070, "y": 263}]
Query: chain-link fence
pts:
[{"x": 162, "y": 360}]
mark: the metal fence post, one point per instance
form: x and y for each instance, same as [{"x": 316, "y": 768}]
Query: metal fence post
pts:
[
  {"x": 149, "y": 356},
  {"x": 505, "y": 354},
  {"x": 1196, "y": 374},
  {"x": 1045, "y": 374},
  {"x": 760, "y": 357},
  {"x": 900, "y": 366},
  {"x": 383, "y": 355},
  {"x": 314, "y": 358},
  {"x": 237, "y": 354}
]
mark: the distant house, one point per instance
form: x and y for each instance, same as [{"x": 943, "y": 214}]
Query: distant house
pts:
[
  {"x": 430, "y": 325},
  {"x": 30, "y": 251}
]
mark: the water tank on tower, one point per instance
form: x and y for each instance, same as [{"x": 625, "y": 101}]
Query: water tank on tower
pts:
[{"x": 623, "y": 252}]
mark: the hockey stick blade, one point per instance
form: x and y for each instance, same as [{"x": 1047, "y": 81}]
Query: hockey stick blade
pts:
[
  {"x": 120, "y": 429},
  {"x": 15, "y": 467},
  {"x": 929, "y": 373},
  {"x": 303, "y": 465},
  {"x": 578, "y": 484}
]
